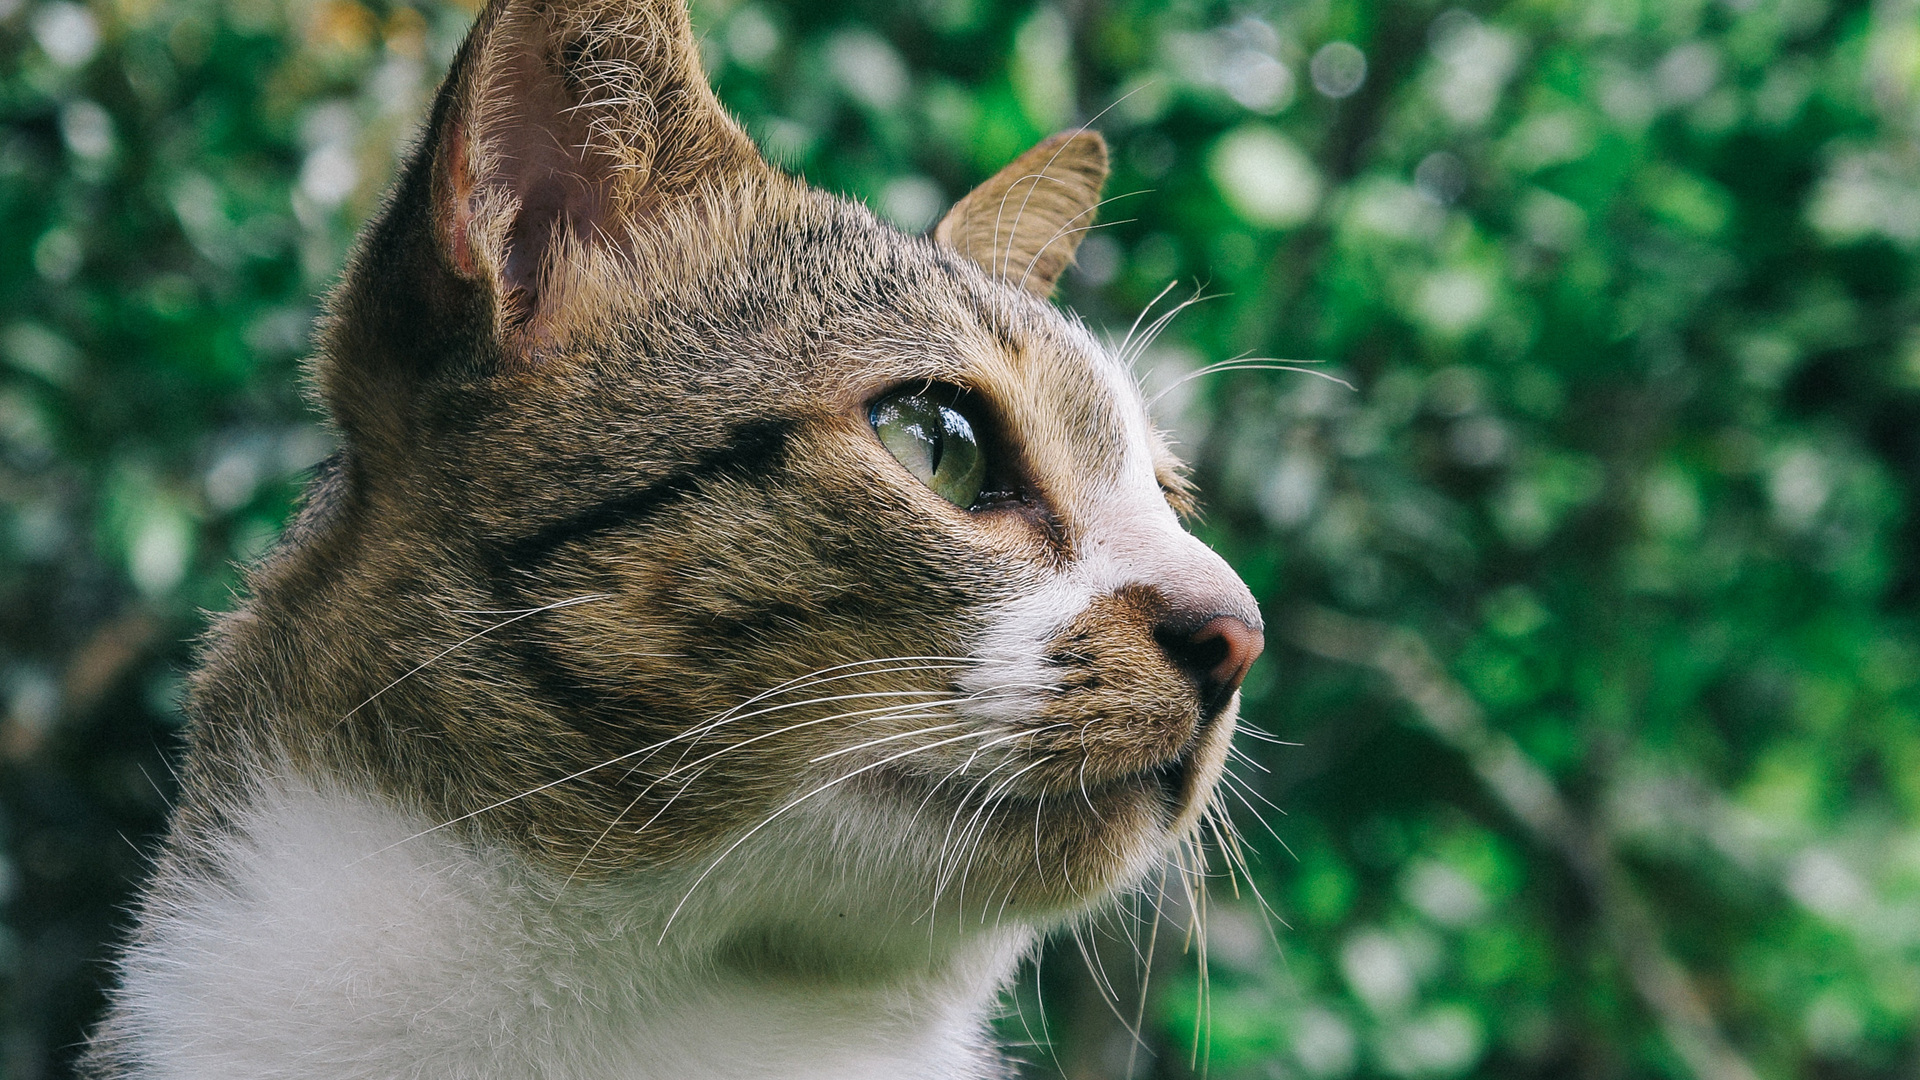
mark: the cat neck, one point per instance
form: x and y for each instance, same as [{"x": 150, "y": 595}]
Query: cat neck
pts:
[{"x": 324, "y": 933}]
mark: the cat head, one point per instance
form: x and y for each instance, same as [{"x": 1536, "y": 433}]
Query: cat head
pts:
[{"x": 683, "y": 506}]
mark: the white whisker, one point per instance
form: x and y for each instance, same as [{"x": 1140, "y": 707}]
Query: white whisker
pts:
[
  {"x": 1247, "y": 365},
  {"x": 831, "y": 784},
  {"x": 464, "y": 642}
]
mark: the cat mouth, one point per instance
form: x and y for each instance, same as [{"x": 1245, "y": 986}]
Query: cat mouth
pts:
[
  {"x": 1169, "y": 783},
  {"x": 1172, "y": 779}
]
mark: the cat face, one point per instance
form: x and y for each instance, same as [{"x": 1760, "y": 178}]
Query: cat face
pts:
[{"x": 766, "y": 520}]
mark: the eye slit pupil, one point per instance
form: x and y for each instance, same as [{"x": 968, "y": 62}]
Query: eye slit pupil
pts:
[{"x": 935, "y": 440}]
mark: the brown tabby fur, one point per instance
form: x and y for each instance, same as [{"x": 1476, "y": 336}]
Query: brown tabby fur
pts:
[{"x": 596, "y": 350}]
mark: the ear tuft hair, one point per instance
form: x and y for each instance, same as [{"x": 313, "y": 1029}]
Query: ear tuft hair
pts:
[
  {"x": 574, "y": 124},
  {"x": 1026, "y": 222}
]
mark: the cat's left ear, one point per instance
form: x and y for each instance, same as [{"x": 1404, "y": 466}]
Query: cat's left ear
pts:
[{"x": 1025, "y": 223}]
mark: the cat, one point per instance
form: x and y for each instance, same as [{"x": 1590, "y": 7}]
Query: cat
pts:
[{"x": 732, "y": 633}]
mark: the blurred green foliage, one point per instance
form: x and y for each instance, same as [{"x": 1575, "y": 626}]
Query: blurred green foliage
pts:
[{"x": 1589, "y": 604}]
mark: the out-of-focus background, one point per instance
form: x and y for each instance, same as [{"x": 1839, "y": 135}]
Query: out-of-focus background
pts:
[{"x": 1590, "y": 604}]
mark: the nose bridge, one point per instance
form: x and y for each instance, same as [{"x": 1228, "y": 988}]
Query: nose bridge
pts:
[
  {"x": 1099, "y": 456},
  {"x": 1145, "y": 545}
]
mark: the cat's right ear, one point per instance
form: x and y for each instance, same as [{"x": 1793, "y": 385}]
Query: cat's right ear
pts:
[
  {"x": 567, "y": 136},
  {"x": 1026, "y": 221}
]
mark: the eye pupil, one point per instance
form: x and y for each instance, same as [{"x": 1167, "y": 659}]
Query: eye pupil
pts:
[{"x": 935, "y": 441}]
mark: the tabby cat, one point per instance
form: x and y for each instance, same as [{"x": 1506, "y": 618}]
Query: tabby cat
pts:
[{"x": 732, "y": 632}]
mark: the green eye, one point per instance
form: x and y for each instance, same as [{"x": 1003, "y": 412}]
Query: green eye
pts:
[{"x": 935, "y": 442}]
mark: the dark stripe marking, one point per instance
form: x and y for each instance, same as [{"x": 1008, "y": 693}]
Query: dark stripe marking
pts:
[{"x": 750, "y": 448}]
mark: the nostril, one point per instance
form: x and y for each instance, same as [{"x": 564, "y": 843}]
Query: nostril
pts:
[
  {"x": 1215, "y": 656},
  {"x": 1195, "y": 652}
]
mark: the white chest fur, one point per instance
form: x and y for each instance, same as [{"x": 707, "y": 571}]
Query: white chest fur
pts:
[{"x": 336, "y": 942}]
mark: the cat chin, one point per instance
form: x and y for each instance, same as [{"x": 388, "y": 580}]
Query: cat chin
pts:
[{"x": 1055, "y": 851}]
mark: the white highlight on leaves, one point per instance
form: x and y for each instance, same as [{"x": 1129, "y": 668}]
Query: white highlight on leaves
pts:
[
  {"x": 1867, "y": 194},
  {"x": 1550, "y": 138},
  {"x": 1454, "y": 300},
  {"x": 1444, "y": 894},
  {"x": 1390, "y": 208},
  {"x": 303, "y": 446},
  {"x": 1475, "y": 62},
  {"x": 1827, "y": 886},
  {"x": 24, "y": 432},
  {"x": 281, "y": 330},
  {"x": 752, "y": 36},
  {"x": 1626, "y": 98},
  {"x": 1265, "y": 178},
  {"x": 328, "y": 175},
  {"x": 1324, "y": 1043},
  {"x": 1551, "y": 221},
  {"x": 1043, "y": 68},
  {"x": 87, "y": 129},
  {"x": 1688, "y": 73},
  {"x": 33, "y": 699},
  {"x": 1241, "y": 58},
  {"x": 57, "y": 254},
  {"x": 1378, "y": 970},
  {"x": 330, "y": 172},
  {"x": 157, "y": 557},
  {"x": 911, "y": 202},
  {"x": 1258, "y": 81},
  {"x": 199, "y": 203},
  {"x": 1478, "y": 441},
  {"x": 1236, "y": 937},
  {"x": 867, "y": 68},
  {"x": 1338, "y": 68},
  {"x": 1766, "y": 358},
  {"x": 232, "y": 480},
  {"x": 1442, "y": 1041},
  {"x": 1799, "y": 487},
  {"x": 330, "y": 122},
  {"x": 395, "y": 84},
  {"x": 1834, "y": 1024},
  {"x": 1441, "y": 176},
  {"x": 32, "y": 347},
  {"x": 67, "y": 33},
  {"x": 1784, "y": 91},
  {"x": 1670, "y": 504},
  {"x": 1099, "y": 260},
  {"x": 1293, "y": 491},
  {"x": 785, "y": 140}
]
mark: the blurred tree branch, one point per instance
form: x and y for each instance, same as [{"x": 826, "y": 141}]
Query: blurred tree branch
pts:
[{"x": 1451, "y": 714}]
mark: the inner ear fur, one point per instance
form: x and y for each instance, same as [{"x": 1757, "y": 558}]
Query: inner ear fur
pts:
[
  {"x": 574, "y": 149},
  {"x": 1027, "y": 220},
  {"x": 573, "y": 126}
]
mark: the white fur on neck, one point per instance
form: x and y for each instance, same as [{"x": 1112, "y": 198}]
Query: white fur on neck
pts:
[{"x": 341, "y": 944}]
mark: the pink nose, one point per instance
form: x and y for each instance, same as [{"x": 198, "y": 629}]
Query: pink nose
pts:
[{"x": 1215, "y": 656}]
